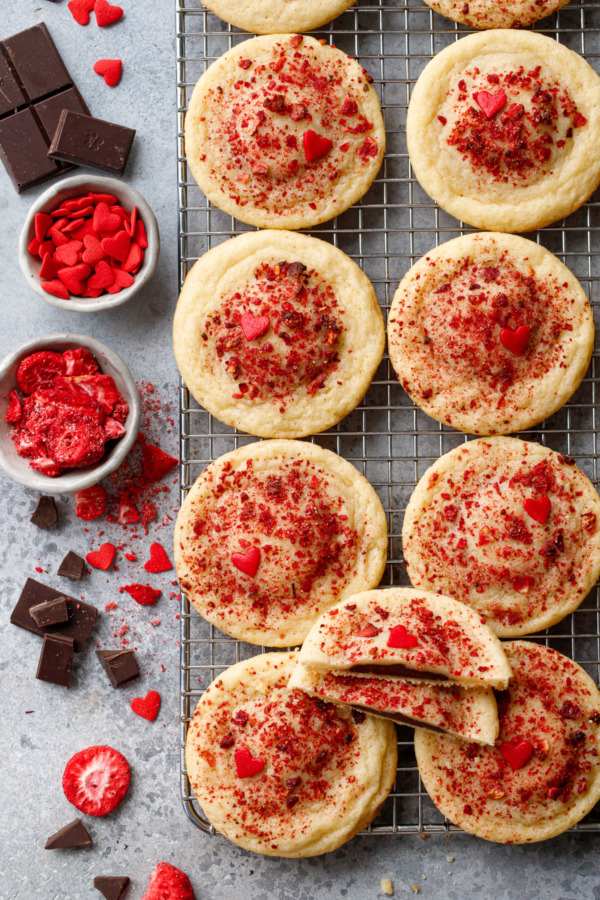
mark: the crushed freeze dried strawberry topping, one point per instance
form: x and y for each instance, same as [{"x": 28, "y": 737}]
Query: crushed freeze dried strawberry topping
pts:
[
  {"x": 257, "y": 127},
  {"x": 549, "y": 760},
  {"x": 298, "y": 345},
  {"x": 515, "y": 141},
  {"x": 69, "y": 413}
]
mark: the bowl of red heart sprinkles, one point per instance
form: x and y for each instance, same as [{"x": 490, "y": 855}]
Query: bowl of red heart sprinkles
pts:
[{"x": 89, "y": 244}]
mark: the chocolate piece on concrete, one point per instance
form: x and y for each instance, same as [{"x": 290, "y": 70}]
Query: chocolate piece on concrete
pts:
[
  {"x": 50, "y": 613},
  {"x": 56, "y": 660},
  {"x": 34, "y": 89},
  {"x": 72, "y": 566},
  {"x": 81, "y": 615},
  {"x": 74, "y": 834},
  {"x": 111, "y": 887},
  {"x": 120, "y": 665},
  {"x": 45, "y": 513},
  {"x": 86, "y": 141}
]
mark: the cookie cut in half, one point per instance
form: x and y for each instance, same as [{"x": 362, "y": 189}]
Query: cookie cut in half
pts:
[
  {"x": 273, "y": 534},
  {"x": 284, "y": 132},
  {"x": 543, "y": 775},
  {"x": 406, "y": 633},
  {"x": 281, "y": 773},
  {"x": 491, "y": 14},
  {"x": 508, "y": 527},
  {"x": 503, "y": 130},
  {"x": 490, "y": 333},
  {"x": 278, "y": 334},
  {"x": 278, "y": 16}
]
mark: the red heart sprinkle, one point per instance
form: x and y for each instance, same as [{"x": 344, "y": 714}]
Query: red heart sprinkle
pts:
[
  {"x": 101, "y": 198},
  {"x": 74, "y": 277},
  {"x": 400, "y": 638},
  {"x": 56, "y": 288},
  {"x": 516, "y": 340},
  {"x": 117, "y": 246},
  {"x": 111, "y": 70},
  {"x": 122, "y": 280},
  {"x": 147, "y": 707},
  {"x": 104, "y": 219},
  {"x": 140, "y": 236},
  {"x": 67, "y": 254},
  {"x": 102, "y": 558},
  {"x": 85, "y": 229},
  {"x": 134, "y": 259},
  {"x": 102, "y": 278},
  {"x": 72, "y": 226},
  {"x": 34, "y": 246},
  {"x": 368, "y": 631},
  {"x": 91, "y": 293},
  {"x": 130, "y": 226},
  {"x": 106, "y": 14},
  {"x": 57, "y": 236},
  {"x": 46, "y": 248},
  {"x": 75, "y": 204},
  {"x": 41, "y": 224},
  {"x": 246, "y": 764},
  {"x": 159, "y": 561},
  {"x": 315, "y": 146},
  {"x": 538, "y": 509},
  {"x": 47, "y": 269},
  {"x": 516, "y": 753},
  {"x": 247, "y": 562},
  {"x": 490, "y": 103},
  {"x": 93, "y": 252},
  {"x": 80, "y": 10},
  {"x": 254, "y": 326}
]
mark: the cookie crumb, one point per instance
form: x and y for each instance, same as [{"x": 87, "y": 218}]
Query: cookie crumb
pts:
[
  {"x": 387, "y": 887},
  {"x": 415, "y": 889}
]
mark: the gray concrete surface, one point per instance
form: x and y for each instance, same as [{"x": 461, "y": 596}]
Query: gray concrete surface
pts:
[{"x": 150, "y": 825}]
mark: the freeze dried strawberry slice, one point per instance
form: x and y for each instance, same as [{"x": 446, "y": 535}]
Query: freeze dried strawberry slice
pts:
[
  {"x": 121, "y": 411},
  {"x": 101, "y": 388},
  {"x": 15, "y": 410},
  {"x": 80, "y": 362},
  {"x": 91, "y": 503},
  {"x": 46, "y": 466},
  {"x": 75, "y": 440},
  {"x": 156, "y": 462},
  {"x": 39, "y": 369},
  {"x": 65, "y": 396},
  {"x": 128, "y": 511},
  {"x": 95, "y": 780},
  {"x": 144, "y": 594},
  {"x": 169, "y": 883},
  {"x": 159, "y": 561}
]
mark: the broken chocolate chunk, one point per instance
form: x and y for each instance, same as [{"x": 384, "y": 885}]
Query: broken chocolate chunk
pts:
[
  {"x": 45, "y": 513},
  {"x": 50, "y": 613},
  {"x": 81, "y": 615},
  {"x": 72, "y": 566},
  {"x": 111, "y": 886},
  {"x": 120, "y": 665},
  {"x": 74, "y": 834},
  {"x": 56, "y": 660},
  {"x": 85, "y": 141}
]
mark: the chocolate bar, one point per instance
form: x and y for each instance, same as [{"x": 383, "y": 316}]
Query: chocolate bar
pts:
[
  {"x": 75, "y": 834},
  {"x": 56, "y": 660},
  {"x": 86, "y": 141},
  {"x": 35, "y": 88},
  {"x": 81, "y": 615},
  {"x": 120, "y": 665}
]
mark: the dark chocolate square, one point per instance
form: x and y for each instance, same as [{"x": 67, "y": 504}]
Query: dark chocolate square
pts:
[
  {"x": 81, "y": 615},
  {"x": 86, "y": 141},
  {"x": 49, "y": 110},
  {"x": 72, "y": 566},
  {"x": 11, "y": 94},
  {"x": 36, "y": 62},
  {"x": 24, "y": 151},
  {"x": 45, "y": 512},
  {"x": 50, "y": 613},
  {"x": 75, "y": 834},
  {"x": 56, "y": 660},
  {"x": 120, "y": 665}
]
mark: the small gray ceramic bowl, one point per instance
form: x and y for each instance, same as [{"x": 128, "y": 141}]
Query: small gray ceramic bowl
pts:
[
  {"x": 73, "y": 479},
  {"x": 66, "y": 189}
]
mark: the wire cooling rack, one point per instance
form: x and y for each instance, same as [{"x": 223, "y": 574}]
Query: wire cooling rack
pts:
[{"x": 387, "y": 438}]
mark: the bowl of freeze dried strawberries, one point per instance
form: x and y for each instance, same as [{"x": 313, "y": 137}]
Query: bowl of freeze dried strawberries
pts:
[{"x": 70, "y": 413}]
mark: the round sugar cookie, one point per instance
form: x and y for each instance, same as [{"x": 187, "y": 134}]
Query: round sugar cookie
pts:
[
  {"x": 490, "y": 333},
  {"x": 503, "y": 130},
  {"x": 281, "y": 773},
  {"x": 278, "y": 334},
  {"x": 543, "y": 775},
  {"x": 278, "y": 16},
  {"x": 273, "y": 534},
  {"x": 508, "y": 527},
  {"x": 284, "y": 132},
  {"x": 491, "y": 14}
]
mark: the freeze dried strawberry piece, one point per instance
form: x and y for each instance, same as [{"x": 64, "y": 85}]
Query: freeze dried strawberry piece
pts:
[
  {"x": 42, "y": 223},
  {"x": 128, "y": 511},
  {"x": 65, "y": 396},
  {"x": 102, "y": 558},
  {"x": 144, "y": 594},
  {"x": 56, "y": 288},
  {"x": 147, "y": 707},
  {"x": 101, "y": 388},
  {"x": 80, "y": 362},
  {"x": 169, "y": 883},
  {"x": 156, "y": 462},
  {"x": 75, "y": 440},
  {"x": 96, "y": 779},
  {"x": 121, "y": 411},
  {"x": 113, "y": 429},
  {"x": 159, "y": 561},
  {"x": 39, "y": 369},
  {"x": 91, "y": 503},
  {"x": 46, "y": 466},
  {"x": 15, "y": 410},
  {"x": 106, "y": 14},
  {"x": 110, "y": 69}
]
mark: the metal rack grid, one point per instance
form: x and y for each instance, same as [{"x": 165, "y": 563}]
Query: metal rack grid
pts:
[{"x": 387, "y": 438}]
